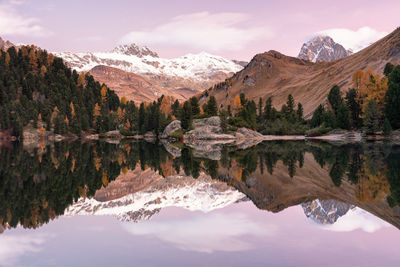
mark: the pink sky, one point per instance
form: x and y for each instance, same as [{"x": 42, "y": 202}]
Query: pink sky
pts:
[{"x": 233, "y": 29}]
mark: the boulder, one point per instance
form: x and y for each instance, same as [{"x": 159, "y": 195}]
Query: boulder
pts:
[
  {"x": 173, "y": 150},
  {"x": 207, "y": 129},
  {"x": 171, "y": 128},
  {"x": 247, "y": 133}
]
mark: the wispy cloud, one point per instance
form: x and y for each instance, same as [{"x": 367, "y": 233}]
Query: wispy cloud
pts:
[
  {"x": 205, "y": 31},
  {"x": 12, "y": 247},
  {"x": 13, "y": 23},
  {"x": 355, "y": 40},
  {"x": 205, "y": 232}
]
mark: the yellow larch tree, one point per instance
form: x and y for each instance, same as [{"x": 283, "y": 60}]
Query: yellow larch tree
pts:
[{"x": 103, "y": 93}]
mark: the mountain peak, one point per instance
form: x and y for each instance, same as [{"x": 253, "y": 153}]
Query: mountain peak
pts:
[
  {"x": 5, "y": 44},
  {"x": 322, "y": 48},
  {"x": 134, "y": 50}
]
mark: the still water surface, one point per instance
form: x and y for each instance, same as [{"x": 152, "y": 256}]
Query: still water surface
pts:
[{"x": 140, "y": 204}]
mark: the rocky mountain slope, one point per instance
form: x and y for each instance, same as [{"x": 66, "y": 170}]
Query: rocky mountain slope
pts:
[
  {"x": 325, "y": 211},
  {"x": 274, "y": 74},
  {"x": 185, "y": 76},
  {"x": 322, "y": 49}
]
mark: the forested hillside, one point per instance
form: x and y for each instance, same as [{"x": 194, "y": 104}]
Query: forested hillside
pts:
[{"x": 39, "y": 90}]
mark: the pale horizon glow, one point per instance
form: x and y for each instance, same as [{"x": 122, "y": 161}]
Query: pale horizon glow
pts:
[{"x": 230, "y": 29}]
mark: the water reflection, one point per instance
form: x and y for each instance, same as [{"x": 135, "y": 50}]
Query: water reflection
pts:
[{"x": 134, "y": 180}]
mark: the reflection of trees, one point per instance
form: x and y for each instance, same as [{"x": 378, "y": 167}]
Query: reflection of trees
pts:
[
  {"x": 393, "y": 176},
  {"x": 35, "y": 187}
]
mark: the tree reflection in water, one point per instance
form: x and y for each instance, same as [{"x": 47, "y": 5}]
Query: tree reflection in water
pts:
[{"x": 36, "y": 186}]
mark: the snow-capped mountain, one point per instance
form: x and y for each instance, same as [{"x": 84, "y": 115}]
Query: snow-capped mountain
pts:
[
  {"x": 180, "y": 77},
  {"x": 134, "y": 50},
  {"x": 141, "y": 60},
  {"x": 325, "y": 211},
  {"x": 201, "y": 194},
  {"x": 322, "y": 48}
]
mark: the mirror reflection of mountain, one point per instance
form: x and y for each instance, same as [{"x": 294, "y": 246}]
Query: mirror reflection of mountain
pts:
[{"x": 134, "y": 180}]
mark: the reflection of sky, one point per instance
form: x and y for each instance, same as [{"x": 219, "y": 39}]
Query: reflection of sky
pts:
[
  {"x": 214, "y": 232},
  {"x": 238, "y": 235},
  {"x": 357, "y": 219}
]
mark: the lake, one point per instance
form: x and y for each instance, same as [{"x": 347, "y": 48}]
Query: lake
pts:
[{"x": 289, "y": 203}]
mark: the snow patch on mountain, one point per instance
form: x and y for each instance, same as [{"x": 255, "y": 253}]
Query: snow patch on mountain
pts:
[{"x": 141, "y": 60}]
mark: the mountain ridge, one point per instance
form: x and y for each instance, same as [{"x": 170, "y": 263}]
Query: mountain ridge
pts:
[{"x": 272, "y": 74}]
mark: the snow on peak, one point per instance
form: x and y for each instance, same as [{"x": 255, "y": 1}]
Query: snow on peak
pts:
[
  {"x": 322, "y": 48},
  {"x": 134, "y": 50},
  {"x": 141, "y": 60}
]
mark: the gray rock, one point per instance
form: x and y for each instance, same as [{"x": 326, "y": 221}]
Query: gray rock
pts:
[
  {"x": 173, "y": 150},
  {"x": 171, "y": 128}
]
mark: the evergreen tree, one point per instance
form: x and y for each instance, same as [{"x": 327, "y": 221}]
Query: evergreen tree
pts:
[
  {"x": 299, "y": 112},
  {"x": 317, "y": 118},
  {"x": 142, "y": 127},
  {"x": 354, "y": 106},
  {"x": 260, "y": 108},
  {"x": 335, "y": 98},
  {"x": 343, "y": 117},
  {"x": 268, "y": 110},
  {"x": 212, "y": 108},
  {"x": 392, "y": 98},
  {"x": 186, "y": 116},
  {"x": 194, "y": 102},
  {"x": 386, "y": 128},
  {"x": 372, "y": 117},
  {"x": 388, "y": 69},
  {"x": 175, "y": 109},
  {"x": 223, "y": 115},
  {"x": 329, "y": 119}
]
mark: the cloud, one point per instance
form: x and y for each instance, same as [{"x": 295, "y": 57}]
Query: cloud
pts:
[
  {"x": 12, "y": 247},
  {"x": 355, "y": 40},
  {"x": 205, "y": 31},
  {"x": 357, "y": 219},
  {"x": 205, "y": 232},
  {"x": 12, "y": 23}
]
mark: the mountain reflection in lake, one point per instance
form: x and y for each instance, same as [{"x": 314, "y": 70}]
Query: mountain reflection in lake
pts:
[{"x": 200, "y": 201}]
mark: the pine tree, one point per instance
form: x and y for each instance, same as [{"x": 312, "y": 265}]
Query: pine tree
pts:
[
  {"x": 142, "y": 119},
  {"x": 388, "y": 69},
  {"x": 194, "y": 102},
  {"x": 299, "y": 112},
  {"x": 223, "y": 115},
  {"x": 175, "y": 109},
  {"x": 386, "y": 128},
  {"x": 372, "y": 117},
  {"x": 186, "y": 116},
  {"x": 392, "y": 98},
  {"x": 343, "y": 117},
  {"x": 354, "y": 106},
  {"x": 260, "y": 108},
  {"x": 212, "y": 109},
  {"x": 268, "y": 110},
  {"x": 317, "y": 118},
  {"x": 335, "y": 98}
]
